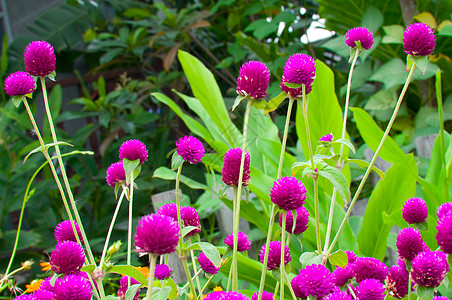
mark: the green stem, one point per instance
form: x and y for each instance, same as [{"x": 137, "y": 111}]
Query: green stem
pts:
[
  {"x": 190, "y": 281},
  {"x": 179, "y": 217},
  {"x": 290, "y": 287},
  {"x": 129, "y": 230},
  {"x": 317, "y": 217},
  {"x": 306, "y": 124},
  {"x": 233, "y": 272},
  {"x": 282, "y": 265},
  {"x": 372, "y": 162},
  {"x": 152, "y": 260},
  {"x": 193, "y": 261},
  {"x": 207, "y": 283},
  {"x": 409, "y": 287},
  {"x": 284, "y": 141},
  {"x": 439, "y": 99}
]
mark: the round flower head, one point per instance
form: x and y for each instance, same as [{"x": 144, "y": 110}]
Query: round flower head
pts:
[
  {"x": 190, "y": 148},
  {"x": 116, "y": 174},
  {"x": 274, "y": 255},
  {"x": 265, "y": 296},
  {"x": 419, "y": 40},
  {"x": 440, "y": 298},
  {"x": 351, "y": 256},
  {"x": 156, "y": 234},
  {"x": 429, "y": 268},
  {"x": 133, "y": 150},
  {"x": 253, "y": 79},
  {"x": 124, "y": 285},
  {"x": 39, "y": 59},
  {"x": 73, "y": 287},
  {"x": 444, "y": 235},
  {"x": 301, "y": 221},
  {"x": 190, "y": 217},
  {"x": 206, "y": 265},
  {"x": 444, "y": 210},
  {"x": 65, "y": 232},
  {"x": 370, "y": 289},
  {"x": 327, "y": 138},
  {"x": 46, "y": 285},
  {"x": 231, "y": 167},
  {"x": 369, "y": 267},
  {"x": 162, "y": 272},
  {"x": 226, "y": 296},
  {"x": 409, "y": 243},
  {"x": 338, "y": 296},
  {"x": 361, "y": 34},
  {"x": 415, "y": 211},
  {"x": 342, "y": 275},
  {"x": 397, "y": 280},
  {"x": 19, "y": 84},
  {"x": 300, "y": 69},
  {"x": 43, "y": 295},
  {"x": 243, "y": 242},
  {"x": 288, "y": 193},
  {"x": 169, "y": 209},
  {"x": 314, "y": 280},
  {"x": 67, "y": 258},
  {"x": 26, "y": 297}
]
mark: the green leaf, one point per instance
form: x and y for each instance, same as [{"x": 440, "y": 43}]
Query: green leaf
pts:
[
  {"x": 237, "y": 101},
  {"x": 129, "y": 165},
  {"x": 425, "y": 293},
  {"x": 420, "y": 61},
  {"x": 110, "y": 297},
  {"x": 346, "y": 143},
  {"x": 275, "y": 102},
  {"x": 17, "y": 100},
  {"x": 167, "y": 174},
  {"x": 88, "y": 268},
  {"x": 293, "y": 85},
  {"x": 187, "y": 229},
  {"x": 338, "y": 258},
  {"x": 161, "y": 293},
  {"x": 299, "y": 166},
  {"x": 46, "y": 146},
  {"x": 372, "y": 19},
  {"x": 52, "y": 76},
  {"x": 260, "y": 104},
  {"x": 393, "y": 34},
  {"x": 423, "y": 226},
  {"x": 364, "y": 164},
  {"x": 309, "y": 258},
  {"x": 176, "y": 161},
  {"x": 337, "y": 179},
  {"x": 129, "y": 271},
  {"x": 132, "y": 291},
  {"x": 209, "y": 250}
]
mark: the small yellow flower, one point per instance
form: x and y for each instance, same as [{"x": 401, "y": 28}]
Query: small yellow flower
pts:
[
  {"x": 45, "y": 266},
  {"x": 218, "y": 289},
  {"x": 33, "y": 286},
  {"x": 144, "y": 271}
]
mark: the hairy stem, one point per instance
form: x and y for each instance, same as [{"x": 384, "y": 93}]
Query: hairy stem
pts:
[{"x": 152, "y": 261}]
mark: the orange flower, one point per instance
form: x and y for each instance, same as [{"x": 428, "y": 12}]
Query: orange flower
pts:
[
  {"x": 45, "y": 266},
  {"x": 33, "y": 286},
  {"x": 144, "y": 271}
]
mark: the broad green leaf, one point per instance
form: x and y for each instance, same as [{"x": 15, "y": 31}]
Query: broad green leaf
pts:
[
  {"x": 275, "y": 102},
  {"x": 425, "y": 293},
  {"x": 364, "y": 164},
  {"x": 338, "y": 258},
  {"x": 129, "y": 271},
  {"x": 88, "y": 268},
  {"x": 176, "y": 161},
  {"x": 309, "y": 258},
  {"x": 259, "y": 104},
  {"x": 159, "y": 293},
  {"x": 209, "y": 250},
  {"x": 132, "y": 291},
  {"x": 372, "y": 19},
  {"x": 299, "y": 166},
  {"x": 167, "y": 174},
  {"x": 346, "y": 143},
  {"x": 393, "y": 34},
  {"x": 187, "y": 229},
  {"x": 337, "y": 179}
]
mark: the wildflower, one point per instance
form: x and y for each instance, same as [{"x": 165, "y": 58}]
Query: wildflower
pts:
[
  {"x": 116, "y": 174},
  {"x": 444, "y": 210},
  {"x": 124, "y": 285},
  {"x": 33, "y": 286},
  {"x": 409, "y": 243},
  {"x": 314, "y": 280},
  {"x": 26, "y": 297},
  {"x": 440, "y": 298},
  {"x": 19, "y": 84},
  {"x": 301, "y": 223},
  {"x": 218, "y": 289},
  {"x": 253, "y": 79},
  {"x": 39, "y": 58},
  {"x": 274, "y": 255},
  {"x": 299, "y": 69},
  {"x": 46, "y": 285},
  {"x": 351, "y": 256},
  {"x": 45, "y": 266},
  {"x": 190, "y": 217},
  {"x": 338, "y": 295},
  {"x": 190, "y": 148},
  {"x": 265, "y": 296},
  {"x": 64, "y": 232},
  {"x": 444, "y": 235},
  {"x": 341, "y": 276},
  {"x": 144, "y": 271},
  {"x": 288, "y": 193},
  {"x": 72, "y": 287},
  {"x": 369, "y": 267},
  {"x": 156, "y": 234},
  {"x": 226, "y": 296},
  {"x": 415, "y": 211},
  {"x": 361, "y": 34},
  {"x": 397, "y": 280},
  {"x": 133, "y": 150},
  {"x": 169, "y": 209},
  {"x": 370, "y": 289},
  {"x": 162, "y": 272},
  {"x": 67, "y": 258},
  {"x": 44, "y": 295},
  {"x": 206, "y": 265},
  {"x": 231, "y": 167},
  {"x": 429, "y": 268},
  {"x": 243, "y": 242},
  {"x": 419, "y": 40},
  {"x": 327, "y": 138}
]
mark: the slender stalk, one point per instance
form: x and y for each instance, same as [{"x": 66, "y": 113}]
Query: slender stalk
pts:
[
  {"x": 282, "y": 265},
  {"x": 233, "y": 272},
  {"x": 276, "y": 290},
  {"x": 194, "y": 276},
  {"x": 372, "y": 162},
  {"x": 284, "y": 141},
  {"x": 409, "y": 287},
  {"x": 193, "y": 261},
  {"x": 317, "y": 217},
  {"x": 290, "y": 287},
  {"x": 207, "y": 283},
  {"x": 190, "y": 281},
  {"x": 179, "y": 217},
  {"x": 152, "y": 260},
  {"x": 306, "y": 124},
  {"x": 129, "y": 230},
  {"x": 439, "y": 99}
]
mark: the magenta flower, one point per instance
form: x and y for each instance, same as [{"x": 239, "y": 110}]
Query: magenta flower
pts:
[
  {"x": 369, "y": 267},
  {"x": 190, "y": 148},
  {"x": 226, "y": 296},
  {"x": 314, "y": 280},
  {"x": 444, "y": 210},
  {"x": 415, "y": 211},
  {"x": 440, "y": 298},
  {"x": 26, "y": 297},
  {"x": 116, "y": 174},
  {"x": 67, "y": 258},
  {"x": 231, "y": 167},
  {"x": 39, "y": 58},
  {"x": 370, "y": 289},
  {"x": 327, "y": 138},
  {"x": 301, "y": 221},
  {"x": 243, "y": 242},
  {"x": 65, "y": 232},
  {"x": 429, "y": 268},
  {"x": 169, "y": 209},
  {"x": 124, "y": 285},
  {"x": 162, "y": 272},
  {"x": 73, "y": 287},
  {"x": 253, "y": 79},
  {"x": 190, "y": 217},
  {"x": 19, "y": 84},
  {"x": 43, "y": 295},
  {"x": 338, "y": 295},
  {"x": 351, "y": 256},
  {"x": 156, "y": 234},
  {"x": 133, "y": 150},
  {"x": 299, "y": 69},
  {"x": 341, "y": 276},
  {"x": 46, "y": 285},
  {"x": 419, "y": 40},
  {"x": 265, "y": 296},
  {"x": 274, "y": 255},
  {"x": 288, "y": 193},
  {"x": 206, "y": 265},
  {"x": 361, "y": 34},
  {"x": 409, "y": 243},
  {"x": 397, "y": 280},
  {"x": 444, "y": 235}
]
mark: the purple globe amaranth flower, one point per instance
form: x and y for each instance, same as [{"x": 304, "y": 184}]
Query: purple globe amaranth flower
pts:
[
  {"x": 397, "y": 280},
  {"x": 162, "y": 272},
  {"x": 73, "y": 287},
  {"x": 341, "y": 276},
  {"x": 43, "y": 295},
  {"x": 156, "y": 234},
  {"x": 301, "y": 223},
  {"x": 64, "y": 232},
  {"x": 299, "y": 69},
  {"x": 444, "y": 210},
  {"x": 429, "y": 268},
  {"x": 190, "y": 148},
  {"x": 226, "y": 296},
  {"x": 361, "y": 34},
  {"x": 265, "y": 296},
  {"x": 231, "y": 167},
  {"x": 39, "y": 58},
  {"x": 207, "y": 265},
  {"x": 243, "y": 242},
  {"x": 274, "y": 255},
  {"x": 440, "y": 298},
  {"x": 351, "y": 256},
  {"x": 415, "y": 211},
  {"x": 124, "y": 285},
  {"x": 444, "y": 235},
  {"x": 409, "y": 243},
  {"x": 169, "y": 209},
  {"x": 190, "y": 217},
  {"x": 327, "y": 138},
  {"x": 133, "y": 150},
  {"x": 116, "y": 174},
  {"x": 19, "y": 84},
  {"x": 419, "y": 40},
  {"x": 46, "y": 285},
  {"x": 369, "y": 267},
  {"x": 253, "y": 79},
  {"x": 370, "y": 289},
  {"x": 67, "y": 258},
  {"x": 288, "y": 193},
  {"x": 26, "y": 297},
  {"x": 339, "y": 295},
  {"x": 314, "y": 280}
]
